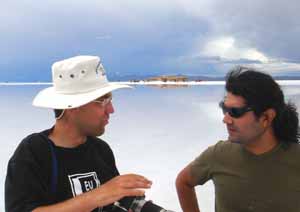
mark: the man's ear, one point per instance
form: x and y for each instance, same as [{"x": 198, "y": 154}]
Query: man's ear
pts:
[{"x": 268, "y": 117}]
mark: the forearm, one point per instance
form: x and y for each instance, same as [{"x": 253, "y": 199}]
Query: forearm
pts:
[
  {"x": 111, "y": 191},
  {"x": 84, "y": 203},
  {"x": 187, "y": 197}
]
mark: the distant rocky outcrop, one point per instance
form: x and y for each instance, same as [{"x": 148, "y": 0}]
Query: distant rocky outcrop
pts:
[{"x": 171, "y": 78}]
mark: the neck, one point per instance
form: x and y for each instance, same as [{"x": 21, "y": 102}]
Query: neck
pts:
[
  {"x": 66, "y": 135},
  {"x": 263, "y": 144}
]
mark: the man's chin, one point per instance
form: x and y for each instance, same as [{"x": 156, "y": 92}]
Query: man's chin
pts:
[
  {"x": 100, "y": 132},
  {"x": 97, "y": 133},
  {"x": 234, "y": 140}
]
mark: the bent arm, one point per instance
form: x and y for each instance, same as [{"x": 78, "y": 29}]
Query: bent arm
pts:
[
  {"x": 185, "y": 185},
  {"x": 113, "y": 190}
]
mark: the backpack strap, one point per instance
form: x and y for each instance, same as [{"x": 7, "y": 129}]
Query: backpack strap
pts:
[{"x": 54, "y": 168}]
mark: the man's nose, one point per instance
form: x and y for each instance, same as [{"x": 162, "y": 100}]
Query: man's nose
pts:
[
  {"x": 110, "y": 108},
  {"x": 227, "y": 119}
]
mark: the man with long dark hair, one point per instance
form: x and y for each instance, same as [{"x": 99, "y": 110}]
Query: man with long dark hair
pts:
[{"x": 257, "y": 168}]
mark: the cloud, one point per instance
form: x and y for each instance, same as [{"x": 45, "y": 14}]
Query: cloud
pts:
[
  {"x": 186, "y": 36},
  {"x": 263, "y": 33},
  {"x": 224, "y": 53},
  {"x": 277, "y": 67},
  {"x": 270, "y": 26},
  {"x": 226, "y": 48}
]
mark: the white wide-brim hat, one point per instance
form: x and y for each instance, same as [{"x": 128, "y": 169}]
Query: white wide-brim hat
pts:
[{"x": 76, "y": 82}]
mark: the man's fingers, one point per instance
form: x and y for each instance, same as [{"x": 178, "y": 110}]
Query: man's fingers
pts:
[
  {"x": 134, "y": 181},
  {"x": 123, "y": 185},
  {"x": 136, "y": 177},
  {"x": 135, "y": 184}
]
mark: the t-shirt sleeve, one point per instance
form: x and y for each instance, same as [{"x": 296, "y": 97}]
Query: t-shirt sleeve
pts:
[
  {"x": 201, "y": 167},
  {"x": 25, "y": 185}
]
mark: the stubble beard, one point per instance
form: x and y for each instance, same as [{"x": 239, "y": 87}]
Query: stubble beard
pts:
[
  {"x": 95, "y": 132},
  {"x": 247, "y": 140}
]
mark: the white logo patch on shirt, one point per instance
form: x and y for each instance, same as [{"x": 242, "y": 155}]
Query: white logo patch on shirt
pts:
[{"x": 84, "y": 182}]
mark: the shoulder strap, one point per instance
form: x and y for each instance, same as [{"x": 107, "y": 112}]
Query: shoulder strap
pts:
[{"x": 54, "y": 169}]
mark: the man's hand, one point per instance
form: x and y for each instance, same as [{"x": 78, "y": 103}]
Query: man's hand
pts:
[
  {"x": 121, "y": 186},
  {"x": 109, "y": 192}
]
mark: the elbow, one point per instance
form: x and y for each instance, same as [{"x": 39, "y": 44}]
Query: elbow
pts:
[
  {"x": 181, "y": 180},
  {"x": 184, "y": 180},
  {"x": 178, "y": 181}
]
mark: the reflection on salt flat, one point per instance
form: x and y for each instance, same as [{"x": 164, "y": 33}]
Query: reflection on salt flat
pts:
[
  {"x": 154, "y": 83},
  {"x": 154, "y": 132}
]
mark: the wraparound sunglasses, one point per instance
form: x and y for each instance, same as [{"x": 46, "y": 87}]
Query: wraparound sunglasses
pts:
[{"x": 234, "y": 112}]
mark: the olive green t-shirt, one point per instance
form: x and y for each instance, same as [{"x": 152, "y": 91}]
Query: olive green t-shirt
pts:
[{"x": 245, "y": 182}]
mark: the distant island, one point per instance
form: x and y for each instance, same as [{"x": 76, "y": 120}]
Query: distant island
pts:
[
  {"x": 164, "y": 78},
  {"x": 187, "y": 78},
  {"x": 151, "y": 79}
]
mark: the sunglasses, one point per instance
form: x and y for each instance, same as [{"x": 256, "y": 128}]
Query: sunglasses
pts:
[
  {"x": 234, "y": 112},
  {"x": 104, "y": 102}
]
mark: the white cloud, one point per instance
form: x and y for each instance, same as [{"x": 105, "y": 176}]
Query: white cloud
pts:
[
  {"x": 260, "y": 33},
  {"x": 278, "y": 66},
  {"x": 194, "y": 34},
  {"x": 226, "y": 48},
  {"x": 226, "y": 51}
]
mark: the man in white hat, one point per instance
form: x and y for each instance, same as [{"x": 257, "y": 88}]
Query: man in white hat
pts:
[{"x": 67, "y": 168}]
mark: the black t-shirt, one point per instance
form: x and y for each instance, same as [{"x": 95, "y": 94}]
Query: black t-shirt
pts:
[{"x": 30, "y": 180}]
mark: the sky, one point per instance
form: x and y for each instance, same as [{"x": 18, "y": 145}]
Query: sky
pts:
[{"x": 134, "y": 37}]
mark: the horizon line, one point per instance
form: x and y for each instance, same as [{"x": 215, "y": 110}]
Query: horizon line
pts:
[{"x": 212, "y": 82}]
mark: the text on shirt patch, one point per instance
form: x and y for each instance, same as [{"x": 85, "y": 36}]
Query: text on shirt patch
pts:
[{"x": 83, "y": 182}]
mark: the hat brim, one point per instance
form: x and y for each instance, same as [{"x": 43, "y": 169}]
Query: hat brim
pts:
[{"x": 49, "y": 98}]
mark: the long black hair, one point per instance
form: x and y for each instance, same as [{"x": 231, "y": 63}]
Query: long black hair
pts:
[{"x": 261, "y": 92}]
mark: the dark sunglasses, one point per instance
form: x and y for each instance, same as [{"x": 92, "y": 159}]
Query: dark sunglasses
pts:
[{"x": 234, "y": 112}]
